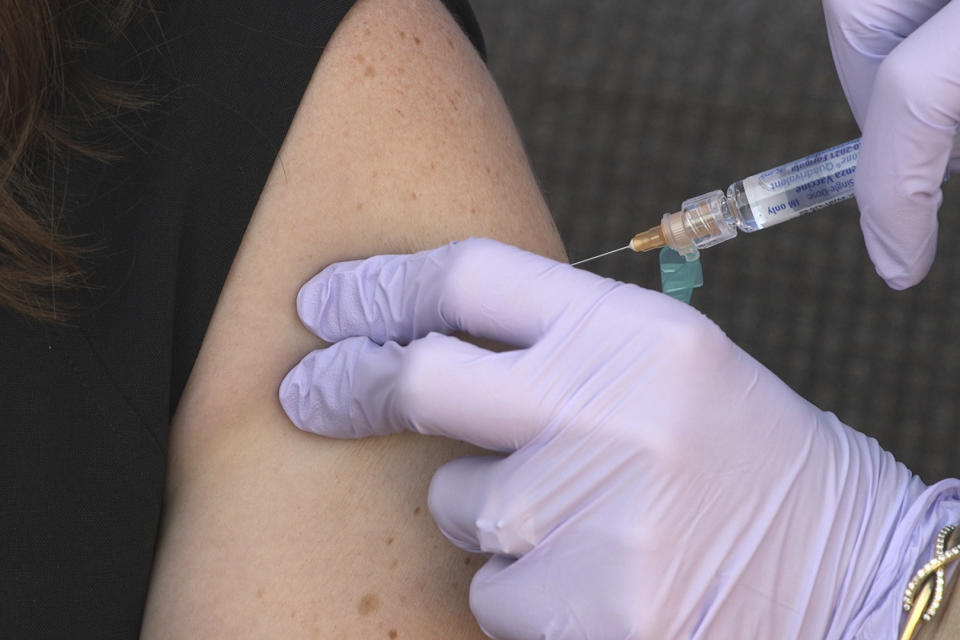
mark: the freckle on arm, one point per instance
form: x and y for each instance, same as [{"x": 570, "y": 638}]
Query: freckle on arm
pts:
[{"x": 368, "y": 604}]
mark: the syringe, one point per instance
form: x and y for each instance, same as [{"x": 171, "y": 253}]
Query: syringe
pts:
[{"x": 754, "y": 203}]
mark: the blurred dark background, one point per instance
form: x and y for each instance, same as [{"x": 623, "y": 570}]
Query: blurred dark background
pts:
[{"x": 629, "y": 108}]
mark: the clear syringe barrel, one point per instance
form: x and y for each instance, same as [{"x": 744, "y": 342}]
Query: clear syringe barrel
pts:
[{"x": 764, "y": 199}]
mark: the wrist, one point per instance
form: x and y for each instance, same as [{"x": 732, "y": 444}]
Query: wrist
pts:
[
  {"x": 923, "y": 512},
  {"x": 945, "y": 626}
]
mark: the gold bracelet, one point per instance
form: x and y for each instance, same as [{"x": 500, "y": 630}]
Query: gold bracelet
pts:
[{"x": 929, "y": 579}]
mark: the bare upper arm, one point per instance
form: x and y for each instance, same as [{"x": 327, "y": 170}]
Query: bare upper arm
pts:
[{"x": 401, "y": 142}]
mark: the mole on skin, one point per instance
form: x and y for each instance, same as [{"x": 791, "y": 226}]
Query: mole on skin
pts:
[{"x": 368, "y": 604}]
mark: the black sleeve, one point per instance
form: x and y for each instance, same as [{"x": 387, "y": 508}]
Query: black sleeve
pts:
[{"x": 463, "y": 13}]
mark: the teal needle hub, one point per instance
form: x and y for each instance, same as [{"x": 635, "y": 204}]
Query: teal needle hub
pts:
[{"x": 679, "y": 276}]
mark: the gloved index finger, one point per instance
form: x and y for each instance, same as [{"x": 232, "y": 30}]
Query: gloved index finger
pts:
[
  {"x": 862, "y": 33},
  {"x": 908, "y": 138},
  {"x": 480, "y": 286}
]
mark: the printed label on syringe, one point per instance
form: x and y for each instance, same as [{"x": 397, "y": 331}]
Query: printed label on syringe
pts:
[{"x": 804, "y": 185}]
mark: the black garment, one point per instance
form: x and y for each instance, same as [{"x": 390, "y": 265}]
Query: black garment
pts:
[{"x": 84, "y": 409}]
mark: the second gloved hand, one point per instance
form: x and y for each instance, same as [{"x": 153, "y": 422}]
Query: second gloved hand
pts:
[
  {"x": 899, "y": 64},
  {"x": 658, "y": 481}
]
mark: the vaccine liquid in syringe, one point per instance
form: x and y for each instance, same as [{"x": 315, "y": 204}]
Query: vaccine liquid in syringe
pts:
[
  {"x": 763, "y": 200},
  {"x": 795, "y": 188}
]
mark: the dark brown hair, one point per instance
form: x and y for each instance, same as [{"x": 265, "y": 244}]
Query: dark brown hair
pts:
[{"x": 47, "y": 96}]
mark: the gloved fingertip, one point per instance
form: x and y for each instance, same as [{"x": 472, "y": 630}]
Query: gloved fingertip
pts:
[
  {"x": 310, "y": 399},
  {"x": 291, "y": 397},
  {"x": 901, "y": 239},
  {"x": 900, "y": 270},
  {"x": 900, "y": 282},
  {"x": 312, "y": 300},
  {"x": 897, "y": 272}
]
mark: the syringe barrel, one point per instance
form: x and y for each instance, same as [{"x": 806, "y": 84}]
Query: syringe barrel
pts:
[
  {"x": 790, "y": 190},
  {"x": 763, "y": 200}
]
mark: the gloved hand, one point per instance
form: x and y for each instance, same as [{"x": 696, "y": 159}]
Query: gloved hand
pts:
[
  {"x": 659, "y": 482},
  {"x": 899, "y": 64}
]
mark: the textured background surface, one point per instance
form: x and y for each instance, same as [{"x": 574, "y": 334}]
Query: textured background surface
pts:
[{"x": 628, "y": 108}]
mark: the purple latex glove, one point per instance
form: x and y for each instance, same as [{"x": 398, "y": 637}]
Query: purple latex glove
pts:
[
  {"x": 899, "y": 64},
  {"x": 659, "y": 482}
]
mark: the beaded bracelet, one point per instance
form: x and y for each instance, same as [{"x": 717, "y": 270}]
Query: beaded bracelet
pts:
[{"x": 924, "y": 604}]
